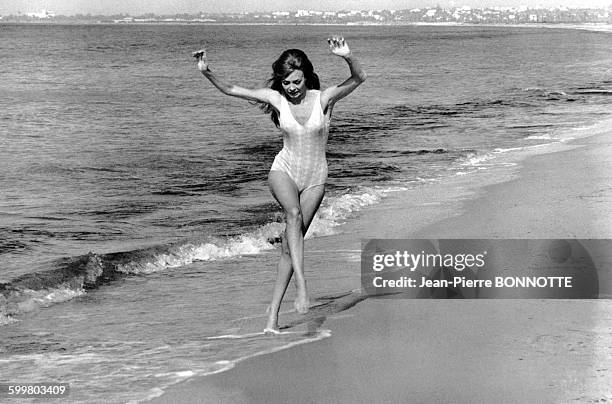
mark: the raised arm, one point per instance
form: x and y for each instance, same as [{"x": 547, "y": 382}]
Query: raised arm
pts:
[
  {"x": 331, "y": 95},
  {"x": 266, "y": 95}
]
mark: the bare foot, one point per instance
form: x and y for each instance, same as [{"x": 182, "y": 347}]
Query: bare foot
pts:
[
  {"x": 271, "y": 331},
  {"x": 301, "y": 303}
]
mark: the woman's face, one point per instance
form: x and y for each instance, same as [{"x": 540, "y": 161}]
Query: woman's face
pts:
[{"x": 294, "y": 84}]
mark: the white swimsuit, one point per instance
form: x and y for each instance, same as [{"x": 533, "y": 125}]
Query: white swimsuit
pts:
[{"x": 302, "y": 157}]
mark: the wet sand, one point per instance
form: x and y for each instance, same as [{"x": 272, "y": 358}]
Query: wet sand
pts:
[{"x": 463, "y": 351}]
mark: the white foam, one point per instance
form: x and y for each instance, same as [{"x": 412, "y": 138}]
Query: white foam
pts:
[
  {"x": 174, "y": 378},
  {"x": 226, "y": 364},
  {"x": 153, "y": 393},
  {"x": 476, "y": 160},
  {"x": 250, "y": 243},
  {"x": 55, "y": 359},
  {"x": 557, "y": 141},
  {"x": 183, "y": 374},
  {"x": 6, "y": 319},
  {"x": 581, "y": 128},
  {"x": 46, "y": 297},
  {"x": 223, "y": 366},
  {"x": 482, "y": 161},
  {"x": 547, "y": 136},
  {"x": 510, "y": 149},
  {"x": 250, "y": 335},
  {"x": 337, "y": 209},
  {"x": 236, "y": 336}
]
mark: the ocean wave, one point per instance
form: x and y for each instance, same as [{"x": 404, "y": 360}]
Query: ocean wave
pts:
[
  {"x": 186, "y": 253},
  {"x": 546, "y": 94},
  {"x": 338, "y": 208},
  {"x": 546, "y": 136},
  {"x": 476, "y": 160},
  {"x": 479, "y": 161}
]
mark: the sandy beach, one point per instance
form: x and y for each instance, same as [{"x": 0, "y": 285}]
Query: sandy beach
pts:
[{"x": 462, "y": 351}]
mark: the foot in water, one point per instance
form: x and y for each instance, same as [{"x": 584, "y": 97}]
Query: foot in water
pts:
[
  {"x": 272, "y": 324},
  {"x": 271, "y": 331}
]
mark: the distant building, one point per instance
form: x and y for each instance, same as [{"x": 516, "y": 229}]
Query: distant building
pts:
[{"x": 42, "y": 14}]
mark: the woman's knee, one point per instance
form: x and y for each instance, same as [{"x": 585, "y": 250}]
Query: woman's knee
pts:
[{"x": 294, "y": 214}]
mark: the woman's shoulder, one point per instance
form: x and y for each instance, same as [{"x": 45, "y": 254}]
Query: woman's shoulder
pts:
[
  {"x": 275, "y": 97},
  {"x": 314, "y": 93}
]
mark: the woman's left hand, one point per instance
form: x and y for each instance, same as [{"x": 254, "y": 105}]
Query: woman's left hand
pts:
[{"x": 338, "y": 46}]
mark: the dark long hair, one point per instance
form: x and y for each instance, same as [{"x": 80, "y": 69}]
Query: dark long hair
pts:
[{"x": 287, "y": 62}]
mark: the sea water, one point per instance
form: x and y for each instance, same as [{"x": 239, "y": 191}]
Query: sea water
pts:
[{"x": 138, "y": 239}]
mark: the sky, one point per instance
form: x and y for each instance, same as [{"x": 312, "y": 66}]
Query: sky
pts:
[{"x": 135, "y": 7}]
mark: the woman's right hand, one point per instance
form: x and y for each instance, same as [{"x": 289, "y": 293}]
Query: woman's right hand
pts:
[
  {"x": 201, "y": 57},
  {"x": 338, "y": 46}
]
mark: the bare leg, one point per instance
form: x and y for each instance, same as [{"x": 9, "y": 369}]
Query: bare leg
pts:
[
  {"x": 300, "y": 210},
  {"x": 284, "y": 272},
  {"x": 286, "y": 193},
  {"x": 310, "y": 200}
]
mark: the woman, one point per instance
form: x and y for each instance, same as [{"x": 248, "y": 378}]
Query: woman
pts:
[{"x": 298, "y": 173}]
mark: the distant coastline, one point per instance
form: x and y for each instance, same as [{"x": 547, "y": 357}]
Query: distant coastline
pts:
[
  {"x": 598, "y": 27},
  {"x": 417, "y": 16}
]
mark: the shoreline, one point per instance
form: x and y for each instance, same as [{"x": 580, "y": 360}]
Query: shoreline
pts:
[{"x": 424, "y": 350}]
